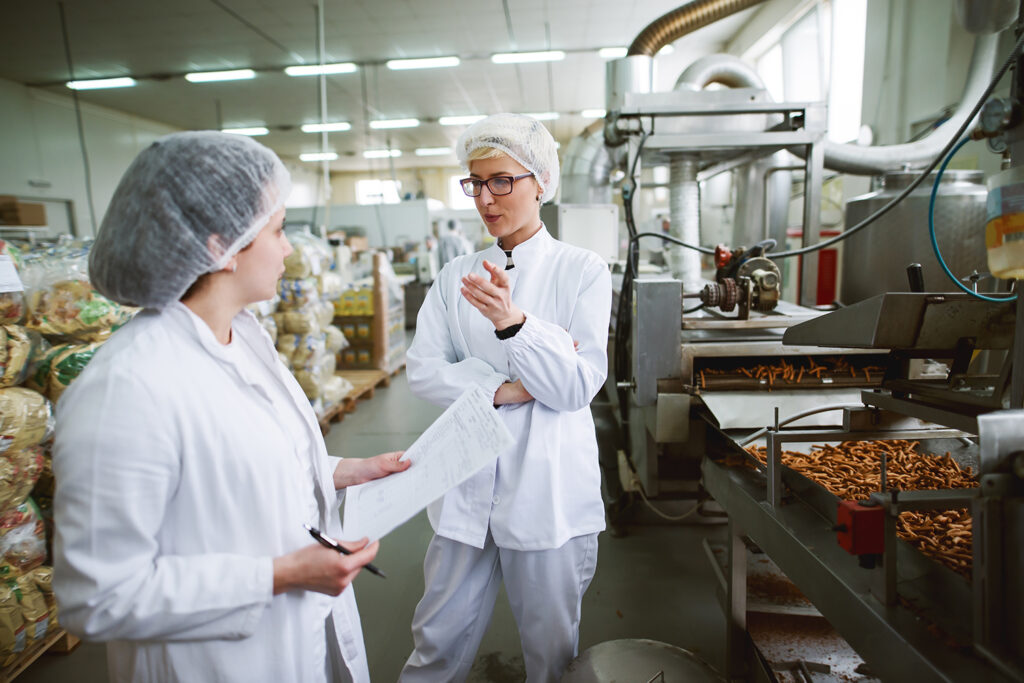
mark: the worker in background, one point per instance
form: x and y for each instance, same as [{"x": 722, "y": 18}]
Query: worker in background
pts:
[
  {"x": 189, "y": 459},
  {"x": 453, "y": 243},
  {"x": 527, "y": 320}
]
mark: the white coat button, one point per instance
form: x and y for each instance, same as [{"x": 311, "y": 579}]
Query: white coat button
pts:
[{"x": 496, "y": 500}]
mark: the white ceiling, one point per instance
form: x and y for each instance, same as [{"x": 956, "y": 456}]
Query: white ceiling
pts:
[{"x": 162, "y": 40}]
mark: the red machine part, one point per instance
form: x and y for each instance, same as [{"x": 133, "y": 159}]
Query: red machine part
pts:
[
  {"x": 860, "y": 529},
  {"x": 722, "y": 256}
]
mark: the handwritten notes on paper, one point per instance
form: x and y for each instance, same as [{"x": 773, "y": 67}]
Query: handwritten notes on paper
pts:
[{"x": 467, "y": 436}]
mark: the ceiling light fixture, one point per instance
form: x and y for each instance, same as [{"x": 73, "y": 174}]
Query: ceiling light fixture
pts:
[
  {"x": 319, "y": 156},
  {"x": 210, "y": 76},
  {"x": 593, "y": 113},
  {"x": 394, "y": 123},
  {"x": 433, "y": 151},
  {"x": 524, "y": 57},
  {"x": 381, "y": 153},
  {"x": 335, "y": 127},
  {"x": 460, "y": 120},
  {"x": 317, "y": 69},
  {"x": 544, "y": 116},
  {"x": 99, "y": 83},
  {"x": 612, "y": 52},
  {"x": 426, "y": 63},
  {"x": 253, "y": 131}
]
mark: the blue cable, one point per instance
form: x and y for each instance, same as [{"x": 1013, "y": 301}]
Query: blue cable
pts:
[{"x": 931, "y": 228}]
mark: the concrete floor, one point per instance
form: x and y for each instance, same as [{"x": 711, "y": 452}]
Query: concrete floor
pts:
[{"x": 652, "y": 582}]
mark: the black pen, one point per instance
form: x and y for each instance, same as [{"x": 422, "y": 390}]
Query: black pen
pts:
[{"x": 328, "y": 543}]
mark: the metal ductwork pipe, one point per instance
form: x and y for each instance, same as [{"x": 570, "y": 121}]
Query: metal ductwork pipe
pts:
[
  {"x": 684, "y": 215},
  {"x": 728, "y": 70},
  {"x": 586, "y": 171},
  {"x": 686, "y": 19},
  {"x": 859, "y": 160}
]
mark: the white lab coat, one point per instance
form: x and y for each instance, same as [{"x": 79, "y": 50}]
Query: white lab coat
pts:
[
  {"x": 177, "y": 487},
  {"x": 546, "y": 488},
  {"x": 451, "y": 246}
]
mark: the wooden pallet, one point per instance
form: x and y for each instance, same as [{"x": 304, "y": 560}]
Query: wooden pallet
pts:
[
  {"x": 58, "y": 641},
  {"x": 364, "y": 384}
]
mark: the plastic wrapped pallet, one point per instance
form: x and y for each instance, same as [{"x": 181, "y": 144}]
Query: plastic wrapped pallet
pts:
[
  {"x": 310, "y": 256},
  {"x": 23, "y": 537},
  {"x": 12, "y": 626},
  {"x": 18, "y": 347},
  {"x": 63, "y": 304}
]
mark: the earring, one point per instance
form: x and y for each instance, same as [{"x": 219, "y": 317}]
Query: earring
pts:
[{"x": 233, "y": 267}]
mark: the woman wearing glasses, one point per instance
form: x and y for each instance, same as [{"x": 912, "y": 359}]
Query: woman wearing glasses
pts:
[{"x": 527, "y": 319}]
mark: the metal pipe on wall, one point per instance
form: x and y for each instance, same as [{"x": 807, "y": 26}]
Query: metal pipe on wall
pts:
[{"x": 859, "y": 160}]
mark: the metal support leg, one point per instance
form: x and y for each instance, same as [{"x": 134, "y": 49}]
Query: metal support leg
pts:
[
  {"x": 814, "y": 171},
  {"x": 1017, "y": 383},
  {"x": 883, "y": 586},
  {"x": 736, "y": 620},
  {"x": 774, "y": 458}
]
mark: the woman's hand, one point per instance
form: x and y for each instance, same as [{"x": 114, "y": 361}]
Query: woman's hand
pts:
[
  {"x": 493, "y": 298},
  {"x": 320, "y": 569},
  {"x": 354, "y": 471},
  {"x": 511, "y": 392}
]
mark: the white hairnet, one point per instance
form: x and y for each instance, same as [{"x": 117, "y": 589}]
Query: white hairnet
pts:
[
  {"x": 185, "y": 206},
  {"x": 523, "y": 138}
]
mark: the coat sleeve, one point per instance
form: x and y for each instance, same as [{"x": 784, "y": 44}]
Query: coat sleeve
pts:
[
  {"x": 435, "y": 373},
  {"x": 543, "y": 356},
  {"x": 117, "y": 461}
]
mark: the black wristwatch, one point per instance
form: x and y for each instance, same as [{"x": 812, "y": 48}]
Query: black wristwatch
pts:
[{"x": 509, "y": 332}]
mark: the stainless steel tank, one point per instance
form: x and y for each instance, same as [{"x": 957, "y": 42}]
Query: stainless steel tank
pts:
[{"x": 875, "y": 259}]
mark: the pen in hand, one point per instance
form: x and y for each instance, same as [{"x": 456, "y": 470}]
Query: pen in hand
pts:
[{"x": 333, "y": 545}]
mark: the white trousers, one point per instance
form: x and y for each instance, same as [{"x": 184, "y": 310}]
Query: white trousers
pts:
[{"x": 545, "y": 589}]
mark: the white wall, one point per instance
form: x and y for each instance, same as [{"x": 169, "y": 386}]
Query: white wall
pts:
[{"x": 41, "y": 156}]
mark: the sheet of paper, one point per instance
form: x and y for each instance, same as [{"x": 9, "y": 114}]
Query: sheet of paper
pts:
[{"x": 467, "y": 436}]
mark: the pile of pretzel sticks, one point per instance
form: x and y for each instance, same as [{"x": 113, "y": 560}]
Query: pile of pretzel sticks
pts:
[
  {"x": 794, "y": 371},
  {"x": 852, "y": 469}
]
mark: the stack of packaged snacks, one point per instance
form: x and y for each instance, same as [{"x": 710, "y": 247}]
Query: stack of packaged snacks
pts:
[
  {"x": 306, "y": 340},
  {"x": 70, "y": 317},
  {"x": 49, "y": 330}
]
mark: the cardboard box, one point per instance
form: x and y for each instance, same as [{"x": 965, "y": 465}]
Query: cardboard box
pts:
[
  {"x": 357, "y": 243},
  {"x": 22, "y": 213}
]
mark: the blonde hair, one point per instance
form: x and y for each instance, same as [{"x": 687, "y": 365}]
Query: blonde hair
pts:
[{"x": 481, "y": 153}]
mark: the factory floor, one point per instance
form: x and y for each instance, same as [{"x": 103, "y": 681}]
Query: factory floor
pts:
[{"x": 653, "y": 580}]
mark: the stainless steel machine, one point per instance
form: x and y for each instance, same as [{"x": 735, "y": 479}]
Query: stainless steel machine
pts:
[{"x": 697, "y": 382}]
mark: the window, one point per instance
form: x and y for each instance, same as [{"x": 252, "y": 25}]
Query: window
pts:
[
  {"x": 821, "y": 57},
  {"x": 457, "y": 199},
  {"x": 375, "y": 191}
]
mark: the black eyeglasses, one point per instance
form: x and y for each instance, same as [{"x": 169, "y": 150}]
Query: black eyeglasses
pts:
[{"x": 498, "y": 185}]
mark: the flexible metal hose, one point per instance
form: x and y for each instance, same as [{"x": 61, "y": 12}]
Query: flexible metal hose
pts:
[{"x": 682, "y": 20}]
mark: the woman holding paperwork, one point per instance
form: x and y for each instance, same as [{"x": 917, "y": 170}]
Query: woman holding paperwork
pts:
[
  {"x": 188, "y": 457},
  {"x": 527, "y": 319}
]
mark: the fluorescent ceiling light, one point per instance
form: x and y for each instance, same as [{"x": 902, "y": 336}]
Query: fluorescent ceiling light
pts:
[
  {"x": 544, "y": 116},
  {"x": 667, "y": 50},
  {"x": 522, "y": 57},
  {"x": 316, "y": 69},
  {"x": 255, "y": 130},
  {"x": 98, "y": 83},
  {"x": 460, "y": 120},
  {"x": 381, "y": 153},
  {"x": 433, "y": 151},
  {"x": 335, "y": 127},
  {"x": 593, "y": 113},
  {"x": 394, "y": 123},
  {"x": 208, "y": 76},
  {"x": 427, "y": 63},
  {"x": 319, "y": 156},
  {"x": 612, "y": 52}
]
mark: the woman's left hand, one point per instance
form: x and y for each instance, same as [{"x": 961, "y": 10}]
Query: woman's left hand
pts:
[
  {"x": 355, "y": 471},
  {"x": 493, "y": 298}
]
